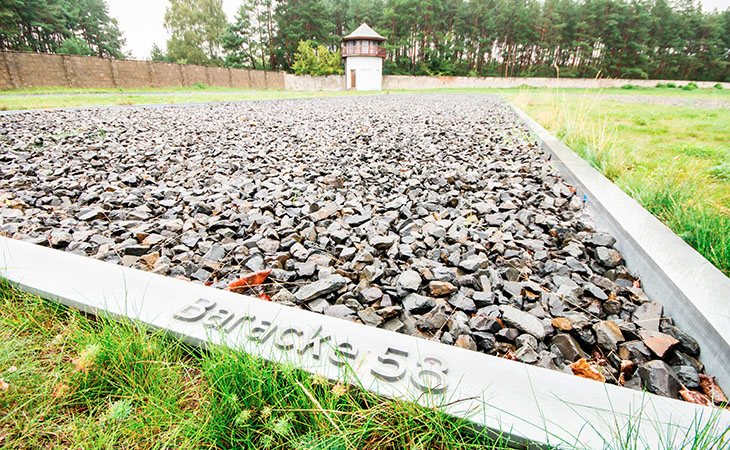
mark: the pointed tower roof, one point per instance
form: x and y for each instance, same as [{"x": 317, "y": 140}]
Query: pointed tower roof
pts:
[{"x": 364, "y": 32}]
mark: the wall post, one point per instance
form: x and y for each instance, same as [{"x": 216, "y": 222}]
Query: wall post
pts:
[
  {"x": 12, "y": 67},
  {"x": 151, "y": 74},
  {"x": 68, "y": 71},
  {"x": 114, "y": 71}
]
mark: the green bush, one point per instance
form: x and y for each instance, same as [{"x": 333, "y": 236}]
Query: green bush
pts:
[
  {"x": 635, "y": 73},
  {"x": 628, "y": 86},
  {"x": 75, "y": 46},
  {"x": 691, "y": 86},
  {"x": 717, "y": 86},
  {"x": 199, "y": 85},
  {"x": 319, "y": 60},
  {"x": 721, "y": 171},
  {"x": 671, "y": 85}
]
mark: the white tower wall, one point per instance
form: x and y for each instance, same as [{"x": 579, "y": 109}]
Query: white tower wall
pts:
[{"x": 368, "y": 72}]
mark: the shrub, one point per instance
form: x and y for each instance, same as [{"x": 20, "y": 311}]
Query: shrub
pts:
[
  {"x": 628, "y": 86},
  {"x": 691, "y": 86},
  {"x": 199, "y": 85},
  {"x": 309, "y": 60},
  {"x": 671, "y": 85},
  {"x": 717, "y": 86},
  {"x": 634, "y": 73},
  {"x": 721, "y": 171},
  {"x": 75, "y": 46},
  {"x": 661, "y": 85}
]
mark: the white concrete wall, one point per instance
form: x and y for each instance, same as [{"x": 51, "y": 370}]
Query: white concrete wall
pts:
[
  {"x": 338, "y": 82},
  {"x": 416, "y": 82},
  {"x": 310, "y": 83},
  {"x": 368, "y": 72}
]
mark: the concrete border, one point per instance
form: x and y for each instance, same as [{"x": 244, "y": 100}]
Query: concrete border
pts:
[
  {"x": 693, "y": 291},
  {"x": 528, "y": 403}
]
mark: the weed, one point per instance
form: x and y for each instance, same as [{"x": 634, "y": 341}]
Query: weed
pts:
[
  {"x": 146, "y": 389},
  {"x": 721, "y": 171},
  {"x": 673, "y": 160},
  {"x": 691, "y": 86},
  {"x": 199, "y": 85},
  {"x": 717, "y": 86},
  {"x": 628, "y": 86}
]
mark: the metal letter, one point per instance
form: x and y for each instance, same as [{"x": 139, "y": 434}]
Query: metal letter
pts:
[
  {"x": 194, "y": 311},
  {"x": 391, "y": 374},
  {"x": 342, "y": 352},
  {"x": 260, "y": 333},
  {"x": 217, "y": 318},
  {"x": 315, "y": 342},
  {"x": 288, "y": 345}
]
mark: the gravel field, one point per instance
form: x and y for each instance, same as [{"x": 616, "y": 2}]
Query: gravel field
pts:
[{"x": 435, "y": 216}]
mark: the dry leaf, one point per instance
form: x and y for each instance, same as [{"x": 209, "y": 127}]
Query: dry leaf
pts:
[
  {"x": 711, "y": 389},
  {"x": 250, "y": 280},
  {"x": 86, "y": 359},
  {"x": 12, "y": 369},
  {"x": 150, "y": 259},
  {"x": 583, "y": 369},
  {"x": 3, "y": 385},
  {"x": 694, "y": 397},
  {"x": 60, "y": 390}
]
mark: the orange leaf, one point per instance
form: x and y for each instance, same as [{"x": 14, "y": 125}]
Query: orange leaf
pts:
[
  {"x": 711, "y": 389},
  {"x": 583, "y": 369},
  {"x": 694, "y": 397},
  {"x": 250, "y": 280},
  {"x": 60, "y": 390}
]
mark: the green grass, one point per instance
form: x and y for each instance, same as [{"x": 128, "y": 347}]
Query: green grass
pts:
[
  {"x": 59, "y": 97},
  {"x": 674, "y": 160},
  {"x": 76, "y": 381}
]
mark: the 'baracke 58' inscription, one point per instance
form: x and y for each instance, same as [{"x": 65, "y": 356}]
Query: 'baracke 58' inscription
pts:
[{"x": 428, "y": 374}]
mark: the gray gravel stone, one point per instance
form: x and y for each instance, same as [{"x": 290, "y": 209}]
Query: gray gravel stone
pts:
[
  {"x": 659, "y": 378},
  {"x": 523, "y": 321},
  {"x": 468, "y": 215},
  {"x": 320, "y": 288},
  {"x": 418, "y": 304}
]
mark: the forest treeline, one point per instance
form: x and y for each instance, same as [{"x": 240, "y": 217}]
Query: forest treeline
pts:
[
  {"x": 570, "y": 38},
  {"x": 81, "y": 27}
]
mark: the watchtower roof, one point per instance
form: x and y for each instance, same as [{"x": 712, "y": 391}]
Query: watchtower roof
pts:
[{"x": 364, "y": 32}]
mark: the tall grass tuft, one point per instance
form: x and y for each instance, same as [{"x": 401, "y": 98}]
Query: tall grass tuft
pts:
[
  {"x": 676, "y": 204},
  {"x": 91, "y": 382},
  {"x": 669, "y": 193}
]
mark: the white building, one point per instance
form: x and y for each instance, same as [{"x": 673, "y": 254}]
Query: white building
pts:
[{"x": 364, "y": 56}]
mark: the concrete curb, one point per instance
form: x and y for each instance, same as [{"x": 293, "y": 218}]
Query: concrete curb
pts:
[
  {"x": 693, "y": 291},
  {"x": 533, "y": 405}
]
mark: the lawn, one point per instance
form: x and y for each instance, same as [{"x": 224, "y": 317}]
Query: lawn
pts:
[
  {"x": 68, "y": 380},
  {"x": 675, "y": 160}
]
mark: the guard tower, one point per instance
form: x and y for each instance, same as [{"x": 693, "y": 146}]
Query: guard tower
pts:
[{"x": 364, "y": 56}]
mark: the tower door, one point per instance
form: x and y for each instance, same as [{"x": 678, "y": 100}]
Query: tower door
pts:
[{"x": 353, "y": 80}]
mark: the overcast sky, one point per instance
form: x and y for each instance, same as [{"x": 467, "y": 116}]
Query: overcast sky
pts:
[{"x": 141, "y": 21}]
